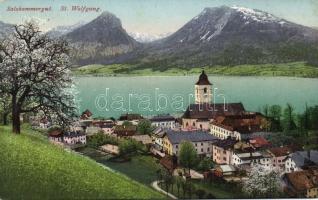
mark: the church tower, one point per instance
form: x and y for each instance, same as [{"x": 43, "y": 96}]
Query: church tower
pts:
[{"x": 203, "y": 90}]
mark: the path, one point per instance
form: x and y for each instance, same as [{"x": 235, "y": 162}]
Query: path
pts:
[{"x": 156, "y": 187}]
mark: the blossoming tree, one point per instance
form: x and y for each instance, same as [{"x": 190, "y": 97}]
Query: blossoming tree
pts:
[{"x": 35, "y": 73}]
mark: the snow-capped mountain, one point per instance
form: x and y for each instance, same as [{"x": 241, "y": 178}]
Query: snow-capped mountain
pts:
[
  {"x": 62, "y": 30},
  {"x": 145, "y": 37},
  {"x": 232, "y": 35}
]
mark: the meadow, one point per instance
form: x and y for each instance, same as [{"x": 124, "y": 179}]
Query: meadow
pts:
[
  {"x": 293, "y": 69},
  {"x": 33, "y": 168}
]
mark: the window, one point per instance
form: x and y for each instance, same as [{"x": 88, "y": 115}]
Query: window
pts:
[
  {"x": 205, "y": 90},
  {"x": 201, "y": 149},
  {"x": 176, "y": 146},
  {"x": 224, "y": 158},
  {"x": 195, "y": 144},
  {"x": 201, "y": 144}
]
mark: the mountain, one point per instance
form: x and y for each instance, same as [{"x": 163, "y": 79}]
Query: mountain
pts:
[
  {"x": 5, "y": 29},
  {"x": 146, "y": 38},
  {"x": 62, "y": 30},
  {"x": 230, "y": 36},
  {"x": 100, "y": 40}
]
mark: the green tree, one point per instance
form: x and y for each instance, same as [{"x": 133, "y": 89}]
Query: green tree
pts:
[
  {"x": 266, "y": 110},
  {"x": 127, "y": 123},
  {"x": 168, "y": 180},
  {"x": 144, "y": 127},
  {"x": 205, "y": 164},
  {"x": 313, "y": 117},
  {"x": 289, "y": 118},
  {"x": 188, "y": 155},
  {"x": 178, "y": 181},
  {"x": 275, "y": 114}
]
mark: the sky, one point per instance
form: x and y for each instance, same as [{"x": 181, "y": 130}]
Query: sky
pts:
[{"x": 152, "y": 17}]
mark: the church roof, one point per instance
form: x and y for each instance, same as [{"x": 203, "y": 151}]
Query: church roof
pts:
[
  {"x": 203, "y": 79},
  {"x": 211, "y": 111}
]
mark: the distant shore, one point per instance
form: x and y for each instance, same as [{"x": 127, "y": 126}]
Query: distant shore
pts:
[{"x": 294, "y": 69}]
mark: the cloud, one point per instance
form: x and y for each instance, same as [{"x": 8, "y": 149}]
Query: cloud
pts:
[{"x": 1, "y": 1}]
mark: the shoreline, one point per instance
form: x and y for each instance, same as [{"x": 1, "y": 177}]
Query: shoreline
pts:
[
  {"x": 188, "y": 75},
  {"x": 294, "y": 69}
]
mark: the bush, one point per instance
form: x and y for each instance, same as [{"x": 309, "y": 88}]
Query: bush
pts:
[
  {"x": 205, "y": 164},
  {"x": 100, "y": 139},
  {"x": 130, "y": 147}
]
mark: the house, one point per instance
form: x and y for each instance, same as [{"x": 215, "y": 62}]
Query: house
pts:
[
  {"x": 300, "y": 160},
  {"x": 130, "y": 117},
  {"x": 108, "y": 129},
  {"x": 259, "y": 142},
  {"x": 245, "y": 158},
  {"x": 157, "y": 138},
  {"x": 302, "y": 183},
  {"x": 124, "y": 131},
  {"x": 56, "y": 135},
  {"x": 202, "y": 141},
  {"x": 198, "y": 115},
  {"x": 240, "y": 126},
  {"x": 225, "y": 170},
  {"x": 265, "y": 160},
  {"x": 278, "y": 156},
  {"x": 74, "y": 137},
  {"x": 164, "y": 121},
  {"x": 144, "y": 139},
  {"x": 92, "y": 130},
  {"x": 223, "y": 151},
  {"x": 170, "y": 163},
  {"x": 106, "y": 126}
]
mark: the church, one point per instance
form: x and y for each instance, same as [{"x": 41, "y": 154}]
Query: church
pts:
[{"x": 199, "y": 115}]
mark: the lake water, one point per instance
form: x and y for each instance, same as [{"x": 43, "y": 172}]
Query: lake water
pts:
[{"x": 112, "y": 96}]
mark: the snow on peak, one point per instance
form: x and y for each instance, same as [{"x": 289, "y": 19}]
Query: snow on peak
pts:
[
  {"x": 255, "y": 15},
  {"x": 145, "y": 37}
]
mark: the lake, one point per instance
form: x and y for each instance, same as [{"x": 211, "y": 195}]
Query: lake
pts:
[{"x": 112, "y": 96}]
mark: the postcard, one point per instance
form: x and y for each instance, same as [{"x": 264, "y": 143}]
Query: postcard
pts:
[{"x": 158, "y": 99}]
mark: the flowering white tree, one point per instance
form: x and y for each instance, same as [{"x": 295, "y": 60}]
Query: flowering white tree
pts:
[
  {"x": 262, "y": 183},
  {"x": 35, "y": 73}
]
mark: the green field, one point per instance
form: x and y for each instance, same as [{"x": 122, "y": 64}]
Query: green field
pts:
[
  {"x": 295, "y": 69},
  {"x": 32, "y": 168}
]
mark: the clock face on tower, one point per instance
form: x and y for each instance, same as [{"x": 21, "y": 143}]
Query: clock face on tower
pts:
[{"x": 203, "y": 89}]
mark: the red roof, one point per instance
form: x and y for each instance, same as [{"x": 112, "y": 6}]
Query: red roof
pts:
[
  {"x": 259, "y": 142},
  {"x": 203, "y": 79},
  {"x": 56, "y": 133},
  {"x": 284, "y": 151}
]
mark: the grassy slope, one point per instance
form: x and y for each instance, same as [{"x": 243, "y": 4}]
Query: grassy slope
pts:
[
  {"x": 298, "y": 69},
  {"x": 32, "y": 168}
]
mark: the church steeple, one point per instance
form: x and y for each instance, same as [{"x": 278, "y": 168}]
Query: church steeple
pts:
[
  {"x": 203, "y": 79},
  {"x": 203, "y": 89}
]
